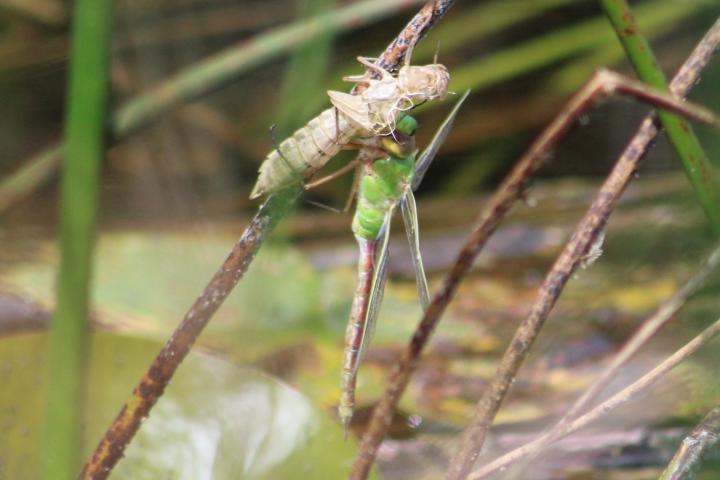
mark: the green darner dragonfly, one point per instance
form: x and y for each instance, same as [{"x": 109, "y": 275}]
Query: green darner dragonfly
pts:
[
  {"x": 373, "y": 112},
  {"x": 384, "y": 185}
]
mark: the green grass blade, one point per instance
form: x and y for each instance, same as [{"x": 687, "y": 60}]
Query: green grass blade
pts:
[
  {"x": 560, "y": 45},
  {"x": 483, "y": 20},
  {"x": 84, "y": 140},
  {"x": 570, "y": 77},
  {"x": 480, "y": 22},
  {"x": 681, "y": 136},
  {"x": 307, "y": 67}
]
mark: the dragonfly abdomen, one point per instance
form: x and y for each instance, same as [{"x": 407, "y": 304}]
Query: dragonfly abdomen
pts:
[
  {"x": 381, "y": 188},
  {"x": 356, "y": 327},
  {"x": 306, "y": 151}
]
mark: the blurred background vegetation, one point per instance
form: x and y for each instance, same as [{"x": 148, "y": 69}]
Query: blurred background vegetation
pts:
[
  {"x": 174, "y": 196},
  {"x": 521, "y": 58}
]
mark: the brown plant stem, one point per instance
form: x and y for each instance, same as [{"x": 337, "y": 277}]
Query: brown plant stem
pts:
[
  {"x": 687, "y": 458},
  {"x": 590, "y": 227},
  {"x": 151, "y": 386}
]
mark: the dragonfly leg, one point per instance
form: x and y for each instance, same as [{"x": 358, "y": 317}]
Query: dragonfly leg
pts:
[
  {"x": 368, "y": 62},
  {"x": 322, "y": 205},
  {"x": 361, "y": 79},
  {"x": 368, "y": 153},
  {"x": 365, "y": 62},
  {"x": 327, "y": 178},
  {"x": 408, "y": 54},
  {"x": 353, "y": 188}
]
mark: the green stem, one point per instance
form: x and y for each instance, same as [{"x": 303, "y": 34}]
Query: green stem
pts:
[
  {"x": 681, "y": 136},
  {"x": 84, "y": 140}
]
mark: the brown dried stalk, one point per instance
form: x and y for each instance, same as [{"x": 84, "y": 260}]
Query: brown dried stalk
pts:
[
  {"x": 153, "y": 383},
  {"x": 586, "y": 234},
  {"x": 649, "y": 327}
]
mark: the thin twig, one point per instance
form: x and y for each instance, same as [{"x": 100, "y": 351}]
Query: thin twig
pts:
[
  {"x": 590, "y": 227},
  {"x": 650, "y": 326},
  {"x": 416, "y": 29},
  {"x": 511, "y": 189},
  {"x": 687, "y": 458},
  {"x": 662, "y": 315},
  {"x": 628, "y": 392},
  {"x": 151, "y": 386}
]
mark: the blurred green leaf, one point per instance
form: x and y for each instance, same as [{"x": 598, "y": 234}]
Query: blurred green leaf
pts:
[
  {"x": 560, "y": 45},
  {"x": 306, "y": 70}
]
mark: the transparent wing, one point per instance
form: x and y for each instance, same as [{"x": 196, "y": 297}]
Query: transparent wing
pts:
[
  {"x": 378, "y": 287},
  {"x": 428, "y": 155},
  {"x": 410, "y": 218}
]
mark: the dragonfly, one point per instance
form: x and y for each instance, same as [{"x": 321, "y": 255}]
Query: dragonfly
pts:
[
  {"x": 373, "y": 112},
  {"x": 384, "y": 185}
]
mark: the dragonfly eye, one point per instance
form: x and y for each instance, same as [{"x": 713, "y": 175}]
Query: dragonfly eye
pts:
[{"x": 407, "y": 125}]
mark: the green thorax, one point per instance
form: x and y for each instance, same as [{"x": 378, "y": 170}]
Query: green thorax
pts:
[{"x": 384, "y": 182}]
